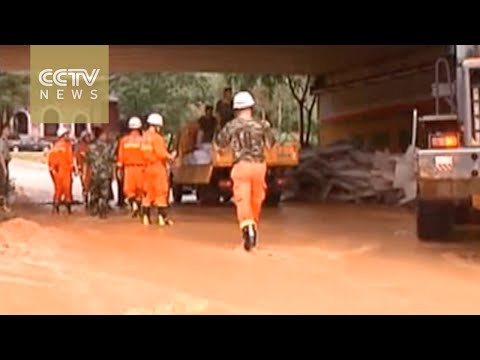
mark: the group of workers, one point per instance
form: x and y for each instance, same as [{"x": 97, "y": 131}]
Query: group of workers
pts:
[{"x": 141, "y": 160}]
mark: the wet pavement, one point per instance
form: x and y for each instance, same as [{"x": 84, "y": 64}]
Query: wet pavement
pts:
[{"x": 312, "y": 259}]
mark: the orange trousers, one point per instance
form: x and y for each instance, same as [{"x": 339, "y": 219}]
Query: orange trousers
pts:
[
  {"x": 249, "y": 189},
  {"x": 133, "y": 181},
  {"x": 62, "y": 182},
  {"x": 156, "y": 186}
]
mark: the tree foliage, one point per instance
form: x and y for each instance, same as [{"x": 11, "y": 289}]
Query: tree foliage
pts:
[
  {"x": 179, "y": 97},
  {"x": 14, "y": 93},
  {"x": 284, "y": 100}
]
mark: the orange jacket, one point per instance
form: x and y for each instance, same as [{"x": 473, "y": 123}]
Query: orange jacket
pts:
[
  {"x": 130, "y": 150},
  {"x": 154, "y": 148},
  {"x": 60, "y": 157}
]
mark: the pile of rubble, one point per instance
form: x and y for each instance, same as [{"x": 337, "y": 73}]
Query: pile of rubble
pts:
[{"x": 343, "y": 173}]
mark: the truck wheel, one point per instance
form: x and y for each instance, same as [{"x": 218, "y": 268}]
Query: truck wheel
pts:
[
  {"x": 462, "y": 212},
  {"x": 227, "y": 198},
  {"x": 177, "y": 192},
  {"x": 435, "y": 220},
  {"x": 208, "y": 195},
  {"x": 273, "y": 199}
]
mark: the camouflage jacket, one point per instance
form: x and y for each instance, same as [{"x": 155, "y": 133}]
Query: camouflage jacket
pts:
[
  {"x": 247, "y": 139},
  {"x": 100, "y": 158}
]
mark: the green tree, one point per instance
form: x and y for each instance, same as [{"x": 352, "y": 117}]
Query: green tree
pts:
[
  {"x": 286, "y": 99},
  {"x": 14, "y": 93},
  {"x": 300, "y": 88},
  {"x": 179, "y": 97}
]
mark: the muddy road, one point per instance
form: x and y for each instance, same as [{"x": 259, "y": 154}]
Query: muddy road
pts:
[{"x": 325, "y": 259}]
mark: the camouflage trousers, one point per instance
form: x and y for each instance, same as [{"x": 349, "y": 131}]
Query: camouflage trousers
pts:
[
  {"x": 3, "y": 185},
  {"x": 100, "y": 189}
]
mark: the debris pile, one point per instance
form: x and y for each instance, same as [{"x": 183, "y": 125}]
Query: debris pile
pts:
[{"x": 343, "y": 173}]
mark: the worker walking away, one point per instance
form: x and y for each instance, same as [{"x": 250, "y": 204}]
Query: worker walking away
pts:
[
  {"x": 83, "y": 169},
  {"x": 101, "y": 160},
  {"x": 5, "y": 158},
  {"x": 61, "y": 166},
  {"x": 156, "y": 180},
  {"x": 248, "y": 139},
  {"x": 130, "y": 165}
]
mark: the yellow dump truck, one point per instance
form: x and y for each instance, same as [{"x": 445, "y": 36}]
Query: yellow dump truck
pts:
[{"x": 210, "y": 180}]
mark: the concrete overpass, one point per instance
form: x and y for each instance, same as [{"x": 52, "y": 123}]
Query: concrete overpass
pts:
[
  {"x": 313, "y": 59},
  {"x": 364, "y": 90}
]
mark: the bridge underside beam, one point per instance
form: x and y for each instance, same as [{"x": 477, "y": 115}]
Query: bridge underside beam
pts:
[{"x": 273, "y": 59}]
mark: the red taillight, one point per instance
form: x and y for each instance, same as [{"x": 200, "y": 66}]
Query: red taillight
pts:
[{"x": 445, "y": 141}]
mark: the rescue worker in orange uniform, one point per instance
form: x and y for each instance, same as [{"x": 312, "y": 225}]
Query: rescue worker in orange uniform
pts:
[
  {"x": 248, "y": 138},
  {"x": 156, "y": 180},
  {"x": 61, "y": 166},
  {"x": 83, "y": 170},
  {"x": 131, "y": 164}
]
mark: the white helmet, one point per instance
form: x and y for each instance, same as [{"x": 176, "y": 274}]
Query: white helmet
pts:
[
  {"x": 155, "y": 119},
  {"x": 62, "y": 130},
  {"x": 134, "y": 123},
  {"x": 84, "y": 134},
  {"x": 243, "y": 100}
]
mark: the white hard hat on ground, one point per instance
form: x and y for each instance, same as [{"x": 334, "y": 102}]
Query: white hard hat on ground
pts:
[
  {"x": 62, "y": 131},
  {"x": 155, "y": 119},
  {"x": 243, "y": 100},
  {"x": 134, "y": 123}
]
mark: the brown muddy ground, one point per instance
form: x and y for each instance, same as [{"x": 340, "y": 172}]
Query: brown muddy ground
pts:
[
  {"x": 325, "y": 259},
  {"x": 312, "y": 260}
]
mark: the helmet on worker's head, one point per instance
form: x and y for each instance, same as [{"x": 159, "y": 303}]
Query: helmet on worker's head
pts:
[
  {"x": 134, "y": 123},
  {"x": 155, "y": 119},
  {"x": 84, "y": 134},
  {"x": 62, "y": 131},
  {"x": 243, "y": 100}
]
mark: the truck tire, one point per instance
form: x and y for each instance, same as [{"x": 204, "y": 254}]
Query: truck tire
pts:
[
  {"x": 226, "y": 198},
  {"x": 462, "y": 212},
  {"x": 208, "y": 195},
  {"x": 273, "y": 199},
  {"x": 435, "y": 220}
]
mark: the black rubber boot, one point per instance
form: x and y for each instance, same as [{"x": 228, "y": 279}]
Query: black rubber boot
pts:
[
  {"x": 85, "y": 201},
  {"x": 163, "y": 219},
  {"x": 102, "y": 209},
  {"x": 69, "y": 208},
  {"x": 145, "y": 215},
  {"x": 56, "y": 208},
  {"x": 4, "y": 205},
  {"x": 249, "y": 237},
  {"x": 134, "y": 207},
  {"x": 93, "y": 208}
]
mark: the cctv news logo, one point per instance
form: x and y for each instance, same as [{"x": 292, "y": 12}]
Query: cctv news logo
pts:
[
  {"x": 70, "y": 84},
  {"x": 65, "y": 78}
]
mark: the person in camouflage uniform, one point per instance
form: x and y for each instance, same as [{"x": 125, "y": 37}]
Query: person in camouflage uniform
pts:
[
  {"x": 101, "y": 160},
  {"x": 5, "y": 158},
  {"x": 247, "y": 138}
]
